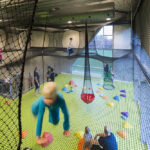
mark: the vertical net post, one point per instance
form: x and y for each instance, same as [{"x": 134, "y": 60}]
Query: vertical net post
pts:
[
  {"x": 43, "y": 63},
  {"x": 22, "y": 73}
]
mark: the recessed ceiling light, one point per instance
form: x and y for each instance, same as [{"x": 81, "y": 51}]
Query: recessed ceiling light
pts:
[
  {"x": 69, "y": 22},
  {"x": 108, "y": 19}
]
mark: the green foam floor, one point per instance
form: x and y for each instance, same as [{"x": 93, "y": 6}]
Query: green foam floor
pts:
[{"x": 95, "y": 115}]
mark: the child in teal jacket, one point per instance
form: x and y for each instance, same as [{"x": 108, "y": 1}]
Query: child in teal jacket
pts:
[{"x": 54, "y": 101}]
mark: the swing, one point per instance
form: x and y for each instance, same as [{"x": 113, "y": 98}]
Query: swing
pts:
[{"x": 87, "y": 94}]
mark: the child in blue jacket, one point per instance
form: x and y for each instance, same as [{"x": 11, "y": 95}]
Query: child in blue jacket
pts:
[{"x": 53, "y": 101}]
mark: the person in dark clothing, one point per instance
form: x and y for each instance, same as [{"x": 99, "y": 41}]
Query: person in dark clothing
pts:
[
  {"x": 52, "y": 75},
  {"x": 48, "y": 74},
  {"x": 106, "y": 69},
  {"x": 107, "y": 141},
  {"x": 30, "y": 81},
  {"x": 36, "y": 80}
]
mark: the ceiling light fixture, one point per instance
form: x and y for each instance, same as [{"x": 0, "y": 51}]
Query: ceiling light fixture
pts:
[
  {"x": 69, "y": 22},
  {"x": 108, "y": 19},
  {"x": 93, "y": 3}
]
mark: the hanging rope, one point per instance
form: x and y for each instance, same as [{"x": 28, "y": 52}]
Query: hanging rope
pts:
[{"x": 43, "y": 63}]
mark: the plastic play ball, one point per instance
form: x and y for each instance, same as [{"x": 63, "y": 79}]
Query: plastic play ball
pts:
[
  {"x": 71, "y": 82},
  {"x": 123, "y": 95},
  {"x": 98, "y": 91},
  {"x": 24, "y": 134},
  {"x": 110, "y": 104},
  {"x": 123, "y": 91},
  {"x": 126, "y": 114},
  {"x": 79, "y": 134},
  {"x": 71, "y": 90},
  {"x": 84, "y": 88},
  {"x": 122, "y": 134},
  {"x": 64, "y": 89},
  {"x": 105, "y": 97},
  {"x": 66, "y": 85},
  {"x": 101, "y": 88},
  {"x": 127, "y": 125},
  {"x": 49, "y": 137},
  {"x": 7, "y": 102},
  {"x": 124, "y": 117},
  {"x": 80, "y": 145},
  {"x": 117, "y": 98}
]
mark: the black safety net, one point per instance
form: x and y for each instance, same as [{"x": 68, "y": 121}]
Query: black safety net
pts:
[
  {"x": 87, "y": 92},
  {"x": 16, "y": 18}
]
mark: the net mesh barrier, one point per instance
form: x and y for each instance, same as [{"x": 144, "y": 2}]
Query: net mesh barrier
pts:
[
  {"x": 16, "y": 18},
  {"x": 87, "y": 92},
  {"x": 108, "y": 77},
  {"x": 141, "y": 47}
]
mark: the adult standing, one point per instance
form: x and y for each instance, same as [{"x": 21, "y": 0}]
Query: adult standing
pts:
[
  {"x": 36, "y": 81},
  {"x": 30, "y": 81},
  {"x": 52, "y": 75},
  {"x": 48, "y": 74}
]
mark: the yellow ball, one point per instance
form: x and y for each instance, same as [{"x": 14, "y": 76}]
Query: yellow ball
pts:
[
  {"x": 84, "y": 88},
  {"x": 110, "y": 104},
  {"x": 66, "y": 85}
]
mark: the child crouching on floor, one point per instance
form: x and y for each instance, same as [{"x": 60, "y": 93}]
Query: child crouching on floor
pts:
[{"x": 53, "y": 101}]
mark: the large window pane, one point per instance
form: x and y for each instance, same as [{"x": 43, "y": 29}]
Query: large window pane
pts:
[
  {"x": 99, "y": 42},
  {"x": 108, "y": 42},
  {"x": 108, "y": 30}
]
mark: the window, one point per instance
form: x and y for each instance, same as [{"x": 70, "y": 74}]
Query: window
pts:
[
  {"x": 108, "y": 30},
  {"x": 103, "y": 43},
  {"x": 104, "y": 38}
]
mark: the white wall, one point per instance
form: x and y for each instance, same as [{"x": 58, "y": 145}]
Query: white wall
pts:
[
  {"x": 37, "y": 38},
  {"x": 71, "y": 34},
  {"x": 59, "y": 39},
  {"x": 122, "y": 37}
]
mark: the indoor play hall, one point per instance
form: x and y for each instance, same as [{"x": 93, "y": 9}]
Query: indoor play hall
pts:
[{"x": 74, "y": 75}]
